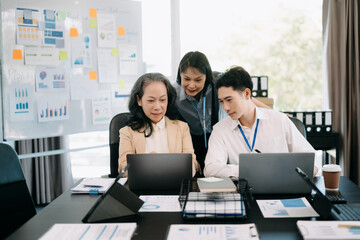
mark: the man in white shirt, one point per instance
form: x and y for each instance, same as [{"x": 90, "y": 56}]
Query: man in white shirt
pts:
[{"x": 247, "y": 128}]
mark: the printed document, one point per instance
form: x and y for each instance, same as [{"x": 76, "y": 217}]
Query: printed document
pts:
[
  {"x": 329, "y": 230},
  {"x": 160, "y": 203},
  {"x": 114, "y": 231},
  {"x": 286, "y": 208},
  {"x": 95, "y": 185},
  {"x": 214, "y": 232}
]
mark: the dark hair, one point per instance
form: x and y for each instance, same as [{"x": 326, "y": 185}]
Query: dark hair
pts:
[
  {"x": 237, "y": 78},
  {"x": 138, "y": 119},
  {"x": 196, "y": 60}
]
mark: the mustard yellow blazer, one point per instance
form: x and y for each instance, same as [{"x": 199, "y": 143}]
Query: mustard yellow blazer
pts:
[{"x": 178, "y": 138}]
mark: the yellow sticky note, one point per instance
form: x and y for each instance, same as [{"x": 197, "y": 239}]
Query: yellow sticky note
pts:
[
  {"x": 92, "y": 75},
  {"x": 92, "y": 12},
  {"x": 61, "y": 15},
  {"x": 63, "y": 55},
  {"x": 121, "y": 31},
  {"x": 93, "y": 23},
  {"x": 114, "y": 52},
  {"x": 74, "y": 32},
  {"x": 121, "y": 84},
  {"x": 17, "y": 54}
]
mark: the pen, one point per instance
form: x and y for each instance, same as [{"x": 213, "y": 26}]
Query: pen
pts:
[
  {"x": 93, "y": 186},
  {"x": 348, "y": 226},
  {"x": 258, "y": 151}
]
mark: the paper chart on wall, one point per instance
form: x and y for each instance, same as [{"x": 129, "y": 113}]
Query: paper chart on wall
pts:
[
  {"x": 53, "y": 30},
  {"x": 128, "y": 59},
  {"x": 53, "y": 108},
  {"x": 120, "y": 98},
  {"x": 21, "y": 102},
  {"x": 106, "y": 28},
  {"x": 81, "y": 51},
  {"x": 101, "y": 108},
  {"x": 107, "y": 66},
  {"x": 27, "y": 32},
  {"x": 83, "y": 88},
  {"x": 46, "y": 56},
  {"x": 51, "y": 78}
]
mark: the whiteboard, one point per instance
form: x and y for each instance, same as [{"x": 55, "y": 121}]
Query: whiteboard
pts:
[{"x": 68, "y": 107}]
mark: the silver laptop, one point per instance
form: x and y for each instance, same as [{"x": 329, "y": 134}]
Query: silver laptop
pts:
[
  {"x": 274, "y": 173},
  {"x": 159, "y": 171}
]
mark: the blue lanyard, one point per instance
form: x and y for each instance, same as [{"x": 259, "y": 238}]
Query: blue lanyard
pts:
[
  {"x": 242, "y": 132},
  {"x": 202, "y": 116}
]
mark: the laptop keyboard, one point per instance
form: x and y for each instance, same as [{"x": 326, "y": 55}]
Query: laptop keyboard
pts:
[{"x": 344, "y": 212}]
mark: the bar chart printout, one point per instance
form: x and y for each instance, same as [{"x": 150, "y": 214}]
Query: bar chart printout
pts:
[
  {"x": 21, "y": 102},
  {"x": 53, "y": 109}
]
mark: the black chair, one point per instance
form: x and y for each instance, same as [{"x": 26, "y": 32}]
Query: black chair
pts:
[
  {"x": 299, "y": 125},
  {"x": 16, "y": 204},
  {"x": 117, "y": 122}
]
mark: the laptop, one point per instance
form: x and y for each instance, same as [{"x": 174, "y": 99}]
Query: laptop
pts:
[
  {"x": 158, "y": 171},
  {"x": 273, "y": 173},
  {"x": 342, "y": 212}
]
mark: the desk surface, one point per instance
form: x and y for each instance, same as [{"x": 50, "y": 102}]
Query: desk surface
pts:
[{"x": 69, "y": 208}]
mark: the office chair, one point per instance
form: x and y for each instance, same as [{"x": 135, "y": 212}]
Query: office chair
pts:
[
  {"x": 118, "y": 121},
  {"x": 299, "y": 125},
  {"x": 16, "y": 204}
]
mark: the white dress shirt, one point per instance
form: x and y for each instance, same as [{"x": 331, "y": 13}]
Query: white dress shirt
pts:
[
  {"x": 157, "y": 142},
  {"x": 276, "y": 133}
]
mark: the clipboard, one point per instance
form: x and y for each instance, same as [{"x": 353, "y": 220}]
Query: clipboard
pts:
[{"x": 115, "y": 203}]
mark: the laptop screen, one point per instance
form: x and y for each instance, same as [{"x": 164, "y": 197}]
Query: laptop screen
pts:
[
  {"x": 273, "y": 173},
  {"x": 159, "y": 171}
]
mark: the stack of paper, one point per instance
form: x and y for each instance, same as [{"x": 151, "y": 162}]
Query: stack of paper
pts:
[
  {"x": 213, "y": 184},
  {"x": 113, "y": 231},
  {"x": 329, "y": 229},
  {"x": 213, "y": 231},
  {"x": 213, "y": 204},
  {"x": 95, "y": 185}
]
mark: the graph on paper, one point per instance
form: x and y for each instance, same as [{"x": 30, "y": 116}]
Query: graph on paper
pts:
[
  {"x": 21, "y": 102},
  {"x": 53, "y": 109}
]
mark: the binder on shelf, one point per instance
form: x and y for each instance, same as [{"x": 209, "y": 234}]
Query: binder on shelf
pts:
[
  {"x": 328, "y": 121},
  {"x": 309, "y": 121},
  {"x": 300, "y": 116},
  {"x": 318, "y": 122},
  {"x": 263, "y": 86},
  {"x": 255, "y": 90},
  {"x": 319, "y": 126}
]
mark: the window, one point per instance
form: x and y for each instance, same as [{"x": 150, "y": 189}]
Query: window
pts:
[{"x": 281, "y": 39}]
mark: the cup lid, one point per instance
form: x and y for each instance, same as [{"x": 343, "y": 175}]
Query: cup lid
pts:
[{"x": 331, "y": 168}]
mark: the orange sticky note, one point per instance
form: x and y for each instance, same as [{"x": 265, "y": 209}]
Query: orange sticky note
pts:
[
  {"x": 17, "y": 54},
  {"x": 92, "y": 12},
  {"x": 121, "y": 31},
  {"x": 92, "y": 75},
  {"x": 74, "y": 32}
]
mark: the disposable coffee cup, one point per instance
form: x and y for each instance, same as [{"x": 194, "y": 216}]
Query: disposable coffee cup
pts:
[{"x": 331, "y": 173}]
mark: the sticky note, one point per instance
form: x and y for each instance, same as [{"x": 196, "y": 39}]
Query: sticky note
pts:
[
  {"x": 114, "y": 52},
  {"x": 61, "y": 15},
  {"x": 17, "y": 54},
  {"x": 74, "y": 32},
  {"x": 121, "y": 84},
  {"x": 92, "y": 75},
  {"x": 93, "y": 23},
  {"x": 63, "y": 55},
  {"x": 121, "y": 31},
  {"x": 92, "y": 12}
]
